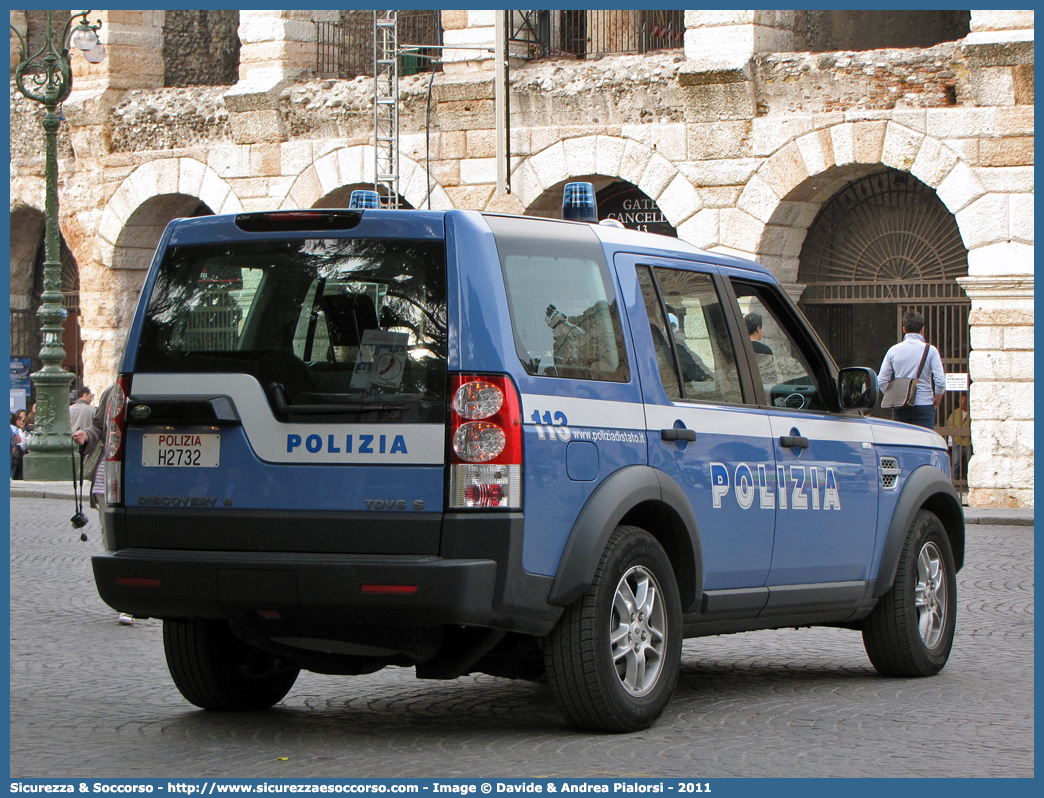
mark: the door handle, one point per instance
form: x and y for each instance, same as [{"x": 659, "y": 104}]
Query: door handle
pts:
[
  {"x": 678, "y": 434},
  {"x": 793, "y": 442}
]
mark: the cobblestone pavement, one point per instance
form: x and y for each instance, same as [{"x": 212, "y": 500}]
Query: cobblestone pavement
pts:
[{"x": 92, "y": 698}]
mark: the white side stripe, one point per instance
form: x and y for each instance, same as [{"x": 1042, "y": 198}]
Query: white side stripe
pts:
[
  {"x": 710, "y": 419},
  {"x": 896, "y": 434},
  {"x": 300, "y": 442},
  {"x": 584, "y": 412}
]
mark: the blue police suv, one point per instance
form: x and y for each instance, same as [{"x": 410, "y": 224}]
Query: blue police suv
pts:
[{"x": 466, "y": 442}]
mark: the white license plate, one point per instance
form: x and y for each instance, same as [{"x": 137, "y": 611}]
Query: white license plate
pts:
[{"x": 180, "y": 450}]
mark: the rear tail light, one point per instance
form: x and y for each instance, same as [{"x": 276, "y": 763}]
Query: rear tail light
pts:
[
  {"x": 116, "y": 427},
  {"x": 479, "y": 442},
  {"x": 485, "y": 458}
]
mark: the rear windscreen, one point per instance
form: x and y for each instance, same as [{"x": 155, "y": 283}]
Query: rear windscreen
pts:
[{"x": 329, "y": 327}]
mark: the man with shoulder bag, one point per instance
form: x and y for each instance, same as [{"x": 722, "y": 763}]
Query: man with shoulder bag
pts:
[{"x": 912, "y": 378}]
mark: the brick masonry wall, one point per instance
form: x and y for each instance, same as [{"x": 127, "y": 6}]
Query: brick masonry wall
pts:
[
  {"x": 27, "y": 136},
  {"x": 322, "y": 109},
  {"x": 165, "y": 119},
  {"x": 611, "y": 91},
  {"x": 622, "y": 90},
  {"x": 851, "y": 81}
]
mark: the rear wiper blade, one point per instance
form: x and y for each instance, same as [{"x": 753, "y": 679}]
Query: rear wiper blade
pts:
[{"x": 279, "y": 395}]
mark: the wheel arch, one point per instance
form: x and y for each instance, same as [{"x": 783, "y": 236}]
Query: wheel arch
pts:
[
  {"x": 927, "y": 488},
  {"x": 640, "y": 496}
]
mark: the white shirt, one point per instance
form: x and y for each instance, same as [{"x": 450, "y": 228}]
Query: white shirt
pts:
[{"x": 902, "y": 361}]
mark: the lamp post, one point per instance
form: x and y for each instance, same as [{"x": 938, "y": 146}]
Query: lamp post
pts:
[{"x": 45, "y": 77}]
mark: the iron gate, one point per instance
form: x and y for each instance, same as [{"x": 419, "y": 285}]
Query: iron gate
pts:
[
  {"x": 25, "y": 338},
  {"x": 344, "y": 49},
  {"x": 591, "y": 33},
  {"x": 946, "y": 326}
]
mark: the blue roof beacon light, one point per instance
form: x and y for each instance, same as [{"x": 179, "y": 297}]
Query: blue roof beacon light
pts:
[
  {"x": 363, "y": 200},
  {"x": 578, "y": 203}
]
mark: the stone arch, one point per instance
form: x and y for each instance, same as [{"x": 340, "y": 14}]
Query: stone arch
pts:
[
  {"x": 346, "y": 166},
  {"x": 27, "y": 228},
  {"x": 142, "y": 231},
  {"x": 110, "y": 300},
  {"x": 183, "y": 177},
  {"x": 130, "y": 227},
  {"x": 26, "y": 260},
  {"x": 785, "y": 193},
  {"x": 611, "y": 156},
  {"x": 27, "y": 201},
  {"x": 882, "y": 245}
]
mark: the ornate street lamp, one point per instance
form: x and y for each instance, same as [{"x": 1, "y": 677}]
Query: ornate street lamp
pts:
[{"x": 45, "y": 77}]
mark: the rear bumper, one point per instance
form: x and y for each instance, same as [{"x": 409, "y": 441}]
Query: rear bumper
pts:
[{"x": 477, "y": 580}]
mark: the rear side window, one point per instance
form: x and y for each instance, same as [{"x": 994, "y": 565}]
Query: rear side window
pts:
[
  {"x": 328, "y": 326},
  {"x": 564, "y": 311},
  {"x": 690, "y": 336}
]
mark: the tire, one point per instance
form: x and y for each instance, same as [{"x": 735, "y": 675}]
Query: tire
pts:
[
  {"x": 610, "y": 672},
  {"x": 214, "y": 669},
  {"x": 910, "y": 631}
]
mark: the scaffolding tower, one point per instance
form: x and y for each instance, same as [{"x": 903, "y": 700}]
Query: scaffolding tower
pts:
[{"x": 386, "y": 107}]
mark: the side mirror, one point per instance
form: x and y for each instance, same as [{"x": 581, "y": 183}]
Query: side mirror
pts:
[{"x": 857, "y": 388}]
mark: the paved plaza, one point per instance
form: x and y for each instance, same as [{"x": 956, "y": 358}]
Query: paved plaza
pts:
[{"x": 91, "y": 698}]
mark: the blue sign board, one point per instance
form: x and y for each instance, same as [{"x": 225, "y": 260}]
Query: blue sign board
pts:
[{"x": 20, "y": 384}]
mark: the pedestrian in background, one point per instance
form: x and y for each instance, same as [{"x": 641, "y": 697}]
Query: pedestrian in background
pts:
[
  {"x": 19, "y": 441},
  {"x": 960, "y": 419},
  {"x": 913, "y": 358},
  {"x": 92, "y": 441},
  {"x": 81, "y": 412}
]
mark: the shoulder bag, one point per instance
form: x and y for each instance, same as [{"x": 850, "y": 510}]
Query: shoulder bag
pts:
[{"x": 902, "y": 391}]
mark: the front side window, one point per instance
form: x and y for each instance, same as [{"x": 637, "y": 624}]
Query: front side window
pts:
[
  {"x": 790, "y": 376},
  {"x": 694, "y": 352},
  {"x": 327, "y": 326},
  {"x": 563, "y": 309}
]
